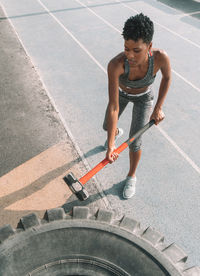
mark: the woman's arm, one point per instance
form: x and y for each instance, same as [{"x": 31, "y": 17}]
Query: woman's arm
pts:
[
  {"x": 164, "y": 64},
  {"x": 113, "y": 108}
]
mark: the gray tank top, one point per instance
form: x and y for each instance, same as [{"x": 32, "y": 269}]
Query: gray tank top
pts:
[{"x": 146, "y": 81}]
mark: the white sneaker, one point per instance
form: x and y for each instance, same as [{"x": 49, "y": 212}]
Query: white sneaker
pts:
[
  {"x": 120, "y": 133},
  {"x": 129, "y": 188}
]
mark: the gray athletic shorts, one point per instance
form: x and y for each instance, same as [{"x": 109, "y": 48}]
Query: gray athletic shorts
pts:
[{"x": 142, "y": 108}]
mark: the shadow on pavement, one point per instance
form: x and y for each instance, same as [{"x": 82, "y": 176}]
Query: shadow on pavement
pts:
[
  {"x": 115, "y": 190},
  {"x": 41, "y": 182},
  {"x": 94, "y": 151},
  {"x": 38, "y": 185}
]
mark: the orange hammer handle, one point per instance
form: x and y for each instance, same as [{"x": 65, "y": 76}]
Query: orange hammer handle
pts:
[
  {"x": 93, "y": 171},
  {"x": 101, "y": 165},
  {"x": 123, "y": 146}
]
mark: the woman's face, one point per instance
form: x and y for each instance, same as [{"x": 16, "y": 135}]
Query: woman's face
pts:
[{"x": 136, "y": 51}]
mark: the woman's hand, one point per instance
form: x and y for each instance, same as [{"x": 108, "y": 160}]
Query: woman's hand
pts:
[
  {"x": 157, "y": 115},
  {"x": 111, "y": 155}
]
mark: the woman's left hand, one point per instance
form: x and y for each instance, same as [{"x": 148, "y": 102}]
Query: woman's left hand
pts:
[{"x": 157, "y": 115}]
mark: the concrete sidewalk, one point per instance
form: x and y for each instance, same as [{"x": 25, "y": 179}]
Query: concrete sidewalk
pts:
[{"x": 35, "y": 148}]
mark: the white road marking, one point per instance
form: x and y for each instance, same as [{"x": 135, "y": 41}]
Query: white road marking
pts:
[
  {"x": 72, "y": 36},
  {"x": 100, "y": 17},
  {"x": 190, "y": 13},
  {"x": 185, "y": 156},
  {"x": 187, "y": 81}
]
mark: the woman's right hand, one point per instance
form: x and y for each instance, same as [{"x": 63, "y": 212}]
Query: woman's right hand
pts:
[{"x": 111, "y": 155}]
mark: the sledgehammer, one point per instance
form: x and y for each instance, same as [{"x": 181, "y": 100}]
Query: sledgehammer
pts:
[{"x": 76, "y": 186}]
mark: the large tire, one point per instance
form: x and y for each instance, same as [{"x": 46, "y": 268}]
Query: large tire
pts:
[{"x": 82, "y": 243}]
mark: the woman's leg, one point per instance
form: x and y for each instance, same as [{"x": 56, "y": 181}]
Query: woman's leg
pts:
[
  {"x": 134, "y": 158},
  {"x": 140, "y": 116}
]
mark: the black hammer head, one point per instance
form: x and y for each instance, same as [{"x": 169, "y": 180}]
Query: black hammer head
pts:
[{"x": 76, "y": 187}]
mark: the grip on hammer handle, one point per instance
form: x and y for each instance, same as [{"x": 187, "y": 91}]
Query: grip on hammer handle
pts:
[
  {"x": 122, "y": 147},
  {"x": 101, "y": 165}
]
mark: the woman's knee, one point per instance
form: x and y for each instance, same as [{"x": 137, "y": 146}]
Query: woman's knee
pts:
[{"x": 136, "y": 145}]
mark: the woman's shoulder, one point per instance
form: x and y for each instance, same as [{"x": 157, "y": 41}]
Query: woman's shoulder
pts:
[
  {"x": 159, "y": 53},
  {"x": 117, "y": 62},
  {"x": 160, "y": 57},
  {"x": 118, "y": 59}
]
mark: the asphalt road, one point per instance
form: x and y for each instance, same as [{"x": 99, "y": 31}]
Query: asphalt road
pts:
[
  {"x": 36, "y": 150},
  {"x": 70, "y": 44}
]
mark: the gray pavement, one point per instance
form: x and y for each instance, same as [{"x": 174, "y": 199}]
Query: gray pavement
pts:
[
  {"x": 70, "y": 44},
  {"x": 29, "y": 123},
  {"x": 35, "y": 148}
]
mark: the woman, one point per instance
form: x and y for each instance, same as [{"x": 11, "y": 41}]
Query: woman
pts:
[{"x": 130, "y": 77}]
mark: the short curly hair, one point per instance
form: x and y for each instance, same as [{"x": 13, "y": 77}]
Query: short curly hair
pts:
[{"x": 138, "y": 27}]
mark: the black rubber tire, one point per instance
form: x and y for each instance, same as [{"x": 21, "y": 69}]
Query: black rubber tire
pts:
[{"x": 84, "y": 243}]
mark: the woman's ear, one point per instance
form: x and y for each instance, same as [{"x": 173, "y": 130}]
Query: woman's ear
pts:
[{"x": 150, "y": 46}]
